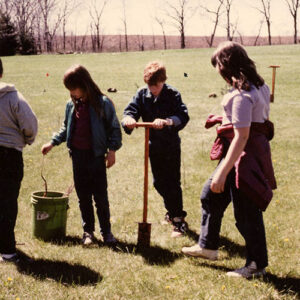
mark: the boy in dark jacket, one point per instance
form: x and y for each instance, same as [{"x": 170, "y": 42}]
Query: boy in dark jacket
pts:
[{"x": 161, "y": 104}]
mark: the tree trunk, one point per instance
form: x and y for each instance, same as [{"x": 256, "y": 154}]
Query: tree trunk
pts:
[{"x": 295, "y": 28}]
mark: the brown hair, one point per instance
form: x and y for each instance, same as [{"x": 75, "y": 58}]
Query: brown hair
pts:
[
  {"x": 78, "y": 76},
  {"x": 154, "y": 72},
  {"x": 1, "y": 68},
  {"x": 235, "y": 66}
]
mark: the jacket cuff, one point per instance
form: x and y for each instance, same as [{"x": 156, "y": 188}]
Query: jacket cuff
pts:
[{"x": 176, "y": 120}]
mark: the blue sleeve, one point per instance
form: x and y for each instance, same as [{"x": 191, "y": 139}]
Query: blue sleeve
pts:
[
  {"x": 133, "y": 109},
  {"x": 114, "y": 134},
  {"x": 180, "y": 117},
  {"x": 61, "y": 135}
]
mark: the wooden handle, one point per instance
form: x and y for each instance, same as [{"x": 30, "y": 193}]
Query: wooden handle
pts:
[
  {"x": 273, "y": 82},
  {"x": 146, "y": 174},
  {"x": 144, "y": 124}
]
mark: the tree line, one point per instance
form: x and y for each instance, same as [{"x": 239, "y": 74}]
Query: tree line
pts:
[{"x": 38, "y": 26}]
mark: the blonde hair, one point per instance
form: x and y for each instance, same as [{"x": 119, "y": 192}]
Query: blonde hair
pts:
[{"x": 155, "y": 72}]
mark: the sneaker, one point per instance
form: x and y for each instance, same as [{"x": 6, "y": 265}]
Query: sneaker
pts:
[
  {"x": 249, "y": 271},
  {"x": 179, "y": 227},
  {"x": 87, "y": 239},
  {"x": 197, "y": 251},
  {"x": 109, "y": 239},
  {"x": 12, "y": 259}
]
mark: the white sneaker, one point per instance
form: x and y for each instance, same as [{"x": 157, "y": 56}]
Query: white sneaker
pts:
[
  {"x": 249, "y": 271},
  {"x": 87, "y": 239},
  {"x": 197, "y": 251}
]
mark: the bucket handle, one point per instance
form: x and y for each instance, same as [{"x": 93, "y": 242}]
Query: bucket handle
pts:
[{"x": 44, "y": 179}]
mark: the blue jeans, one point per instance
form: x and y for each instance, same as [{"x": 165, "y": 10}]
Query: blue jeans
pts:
[
  {"x": 11, "y": 174},
  {"x": 166, "y": 180},
  {"x": 91, "y": 183},
  {"x": 249, "y": 220}
]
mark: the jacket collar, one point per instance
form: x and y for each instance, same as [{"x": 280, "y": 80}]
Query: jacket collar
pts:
[{"x": 150, "y": 96}]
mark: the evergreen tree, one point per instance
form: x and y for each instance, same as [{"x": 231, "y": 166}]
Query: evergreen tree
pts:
[
  {"x": 27, "y": 44},
  {"x": 8, "y": 36}
]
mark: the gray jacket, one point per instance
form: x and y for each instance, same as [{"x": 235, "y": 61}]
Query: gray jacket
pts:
[{"x": 18, "y": 123}]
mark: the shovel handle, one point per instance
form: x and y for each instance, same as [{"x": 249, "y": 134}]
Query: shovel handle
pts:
[
  {"x": 273, "y": 81},
  {"x": 144, "y": 124},
  {"x": 146, "y": 174}
]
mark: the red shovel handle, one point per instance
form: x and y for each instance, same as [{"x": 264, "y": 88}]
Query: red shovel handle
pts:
[{"x": 144, "y": 124}]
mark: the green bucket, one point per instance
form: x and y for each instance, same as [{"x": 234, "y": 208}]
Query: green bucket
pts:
[{"x": 49, "y": 217}]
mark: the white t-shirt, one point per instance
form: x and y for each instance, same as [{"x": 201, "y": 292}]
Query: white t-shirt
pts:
[{"x": 241, "y": 108}]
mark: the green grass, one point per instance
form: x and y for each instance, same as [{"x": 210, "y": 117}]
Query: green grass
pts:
[{"x": 67, "y": 271}]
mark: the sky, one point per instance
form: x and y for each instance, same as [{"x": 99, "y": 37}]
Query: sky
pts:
[{"x": 141, "y": 14}]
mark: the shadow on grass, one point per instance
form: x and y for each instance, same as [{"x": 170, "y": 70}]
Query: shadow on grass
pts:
[
  {"x": 60, "y": 271},
  {"x": 286, "y": 285},
  {"x": 153, "y": 255},
  {"x": 233, "y": 249}
]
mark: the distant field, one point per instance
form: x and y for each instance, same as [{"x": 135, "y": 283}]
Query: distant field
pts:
[
  {"x": 68, "y": 271},
  {"x": 116, "y": 43}
]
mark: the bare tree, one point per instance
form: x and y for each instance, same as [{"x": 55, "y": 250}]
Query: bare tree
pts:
[
  {"x": 161, "y": 23},
  {"x": 217, "y": 14},
  {"x": 293, "y": 8},
  {"x": 259, "y": 31},
  {"x": 67, "y": 10},
  {"x": 230, "y": 28},
  {"x": 124, "y": 21},
  {"x": 6, "y": 7},
  {"x": 265, "y": 10},
  {"x": 179, "y": 15},
  {"x": 22, "y": 14},
  {"x": 47, "y": 9},
  {"x": 96, "y": 11},
  {"x": 241, "y": 37}
]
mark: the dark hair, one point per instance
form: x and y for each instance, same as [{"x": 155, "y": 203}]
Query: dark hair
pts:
[
  {"x": 1, "y": 67},
  {"x": 78, "y": 77},
  {"x": 154, "y": 72},
  {"x": 235, "y": 66}
]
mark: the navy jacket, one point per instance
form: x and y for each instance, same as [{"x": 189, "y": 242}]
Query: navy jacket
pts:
[
  {"x": 106, "y": 131},
  {"x": 167, "y": 105}
]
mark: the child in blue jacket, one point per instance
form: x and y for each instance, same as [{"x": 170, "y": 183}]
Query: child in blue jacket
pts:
[
  {"x": 161, "y": 104},
  {"x": 93, "y": 135}
]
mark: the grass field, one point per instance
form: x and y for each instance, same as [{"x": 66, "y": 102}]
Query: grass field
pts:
[{"x": 66, "y": 270}]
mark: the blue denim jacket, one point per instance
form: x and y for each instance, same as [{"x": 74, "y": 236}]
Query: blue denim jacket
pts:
[
  {"x": 106, "y": 132},
  {"x": 167, "y": 105}
]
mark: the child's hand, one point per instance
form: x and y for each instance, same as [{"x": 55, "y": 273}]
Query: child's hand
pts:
[
  {"x": 46, "y": 148},
  {"x": 129, "y": 122},
  {"x": 159, "y": 123},
  {"x": 110, "y": 158}
]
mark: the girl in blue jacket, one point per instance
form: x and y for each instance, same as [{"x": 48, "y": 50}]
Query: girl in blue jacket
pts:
[{"x": 92, "y": 132}]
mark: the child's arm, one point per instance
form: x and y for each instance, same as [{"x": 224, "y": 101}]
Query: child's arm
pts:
[
  {"x": 59, "y": 137},
  {"x": 27, "y": 120},
  {"x": 132, "y": 113},
  {"x": 114, "y": 134},
  {"x": 180, "y": 117}
]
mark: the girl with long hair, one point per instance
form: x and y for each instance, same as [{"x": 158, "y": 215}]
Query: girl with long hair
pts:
[
  {"x": 92, "y": 132},
  {"x": 245, "y": 173}
]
